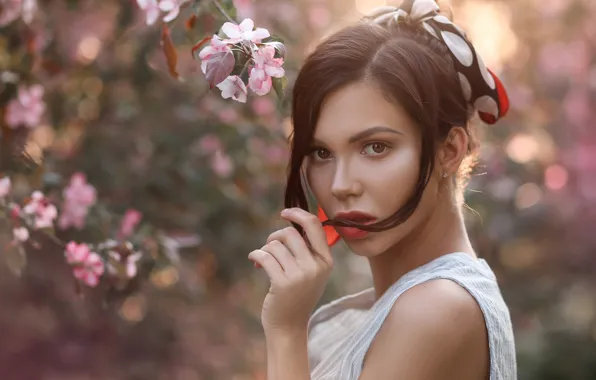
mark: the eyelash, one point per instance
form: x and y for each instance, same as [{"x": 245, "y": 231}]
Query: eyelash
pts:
[{"x": 385, "y": 146}]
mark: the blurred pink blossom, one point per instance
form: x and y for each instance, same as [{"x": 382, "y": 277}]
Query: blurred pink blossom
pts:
[
  {"x": 275, "y": 154},
  {"x": 244, "y": 8},
  {"x": 79, "y": 196},
  {"x": 233, "y": 87},
  {"x": 10, "y": 11},
  {"x": 577, "y": 107},
  {"x": 27, "y": 109},
  {"x": 41, "y": 209},
  {"x": 87, "y": 265},
  {"x": 91, "y": 270},
  {"x": 20, "y": 234},
  {"x": 76, "y": 253},
  {"x": 562, "y": 59},
  {"x": 172, "y": 7},
  {"x": 244, "y": 32},
  {"x": 129, "y": 222},
  {"x": 266, "y": 66},
  {"x": 263, "y": 106},
  {"x": 216, "y": 45},
  {"x": 221, "y": 164},
  {"x": 5, "y": 187},
  {"x": 209, "y": 143},
  {"x": 151, "y": 9},
  {"x": 129, "y": 262},
  {"x": 319, "y": 15},
  {"x": 229, "y": 115}
]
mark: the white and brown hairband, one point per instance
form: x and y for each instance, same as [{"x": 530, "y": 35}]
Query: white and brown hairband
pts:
[{"x": 481, "y": 87}]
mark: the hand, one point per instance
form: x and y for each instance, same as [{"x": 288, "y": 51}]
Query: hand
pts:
[{"x": 298, "y": 271}]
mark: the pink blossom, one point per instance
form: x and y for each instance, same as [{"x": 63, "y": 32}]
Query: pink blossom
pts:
[
  {"x": 209, "y": 143},
  {"x": 91, "y": 270},
  {"x": 29, "y": 9},
  {"x": 11, "y": 10},
  {"x": 79, "y": 196},
  {"x": 244, "y": 8},
  {"x": 263, "y": 106},
  {"x": 5, "y": 187},
  {"x": 129, "y": 262},
  {"x": 42, "y": 210},
  {"x": 216, "y": 45},
  {"x": 228, "y": 115},
  {"x": 27, "y": 109},
  {"x": 151, "y": 9},
  {"x": 129, "y": 222},
  {"x": 244, "y": 32},
  {"x": 76, "y": 253},
  {"x": 20, "y": 234},
  {"x": 233, "y": 87},
  {"x": 172, "y": 7},
  {"x": 266, "y": 66},
  {"x": 222, "y": 164}
]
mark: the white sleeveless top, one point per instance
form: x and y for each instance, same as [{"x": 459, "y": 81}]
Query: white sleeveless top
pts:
[{"x": 341, "y": 332}]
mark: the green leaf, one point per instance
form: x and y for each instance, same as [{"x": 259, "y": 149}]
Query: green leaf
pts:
[{"x": 279, "y": 85}]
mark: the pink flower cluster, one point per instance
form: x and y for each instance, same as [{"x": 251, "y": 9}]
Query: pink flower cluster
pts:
[
  {"x": 27, "y": 108},
  {"x": 88, "y": 266},
  {"x": 41, "y": 210},
  {"x": 79, "y": 196},
  {"x": 154, "y": 8},
  {"x": 5, "y": 187},
  {"x": 11, "y": 10},
  {"x": 263, "y": 64},
  {"x": 221, "y": 163}
]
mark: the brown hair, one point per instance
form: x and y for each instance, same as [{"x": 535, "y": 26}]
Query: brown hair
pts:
[{"x": 410, "y": 67}]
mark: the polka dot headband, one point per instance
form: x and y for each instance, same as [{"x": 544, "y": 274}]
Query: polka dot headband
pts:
[{"x": 481, "y": 87}]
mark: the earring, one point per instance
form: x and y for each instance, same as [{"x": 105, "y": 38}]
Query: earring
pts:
[{"x": 445, "y": 175}]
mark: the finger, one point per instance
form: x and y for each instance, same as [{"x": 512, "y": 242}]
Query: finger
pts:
[
  {"x": 292, "y": 239},
  {"x": 283, "y": 256},
  {"x": 269, "y": 263},
  {"x": 314, "y": 231}
]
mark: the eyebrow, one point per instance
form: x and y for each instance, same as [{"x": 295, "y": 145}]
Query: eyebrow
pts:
[
  {"x": 371, "y": 131},
  {"x": 366, "y": 133}
]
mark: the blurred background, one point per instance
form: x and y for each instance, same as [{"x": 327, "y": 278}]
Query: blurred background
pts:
[{"x": 209, "y": 173}]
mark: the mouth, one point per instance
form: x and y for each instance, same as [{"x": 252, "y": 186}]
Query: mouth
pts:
[{"x": 353, "y": 233}]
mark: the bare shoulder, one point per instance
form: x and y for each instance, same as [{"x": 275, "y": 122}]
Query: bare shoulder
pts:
[{"x": 434, "y": 330}]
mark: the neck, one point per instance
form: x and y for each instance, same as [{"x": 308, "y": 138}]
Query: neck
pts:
[{"x": 444, "y": 232}]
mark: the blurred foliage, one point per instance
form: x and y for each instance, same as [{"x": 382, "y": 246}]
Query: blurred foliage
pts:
[{"x": 143, "y": 139}]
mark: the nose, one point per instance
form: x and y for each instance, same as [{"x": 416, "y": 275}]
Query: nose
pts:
[{"x": 345, "y": 184}]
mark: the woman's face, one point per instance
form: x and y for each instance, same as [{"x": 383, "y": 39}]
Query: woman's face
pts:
[{"x": 365, "y": 159}]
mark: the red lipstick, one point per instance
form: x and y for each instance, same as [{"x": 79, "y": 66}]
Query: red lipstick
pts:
[{"x": 353, "y": 233}]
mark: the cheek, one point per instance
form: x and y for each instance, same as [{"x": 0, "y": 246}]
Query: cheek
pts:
[
  {"x": 391, "y": 181},
  {"x": 319, "y": 179}
]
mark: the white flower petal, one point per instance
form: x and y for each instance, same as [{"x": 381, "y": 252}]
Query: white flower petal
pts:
[
  {"x": 247, "y": 25},
  {"x": 231, "y": 30}
]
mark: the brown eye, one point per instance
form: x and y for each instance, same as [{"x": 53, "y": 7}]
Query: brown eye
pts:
[
  {"x": 322, "y": 154},
  {"x": 375, "y": 149}
]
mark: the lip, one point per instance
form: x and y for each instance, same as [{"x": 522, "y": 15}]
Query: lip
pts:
[{"x": 353, "y": 233}]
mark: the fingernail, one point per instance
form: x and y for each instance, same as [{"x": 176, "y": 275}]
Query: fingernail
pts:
[{"x": 285, "y": 212}]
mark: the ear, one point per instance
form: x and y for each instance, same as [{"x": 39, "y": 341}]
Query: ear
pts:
[{"x": 453, "y": 151}]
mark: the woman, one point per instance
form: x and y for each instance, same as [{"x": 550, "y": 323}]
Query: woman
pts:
[{"x": 382, "y": 141}]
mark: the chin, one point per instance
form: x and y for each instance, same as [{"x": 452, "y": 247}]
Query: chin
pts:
[{"x": 367, "y": 247}]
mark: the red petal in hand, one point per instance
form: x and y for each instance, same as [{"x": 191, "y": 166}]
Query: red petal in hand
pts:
[
  {"x": 169, "y": 51},
  {"x": 330, "y": 232},
  {"x": 219, "y": 67}
]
